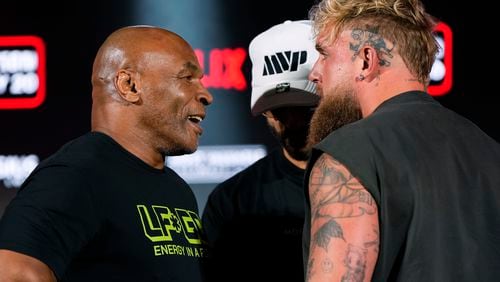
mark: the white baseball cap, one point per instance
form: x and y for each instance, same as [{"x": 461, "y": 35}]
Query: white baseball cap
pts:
[{"x": 282, "y": 58}]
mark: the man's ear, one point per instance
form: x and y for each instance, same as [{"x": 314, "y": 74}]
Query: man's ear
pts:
[
  {"x": 371, "y": 62},
  {"x": 126, "y": 82}
]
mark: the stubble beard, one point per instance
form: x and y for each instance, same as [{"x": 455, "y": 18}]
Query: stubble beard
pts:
[
  {"x": 168, "y": 137},
  {"x": 294, "y": 141}
]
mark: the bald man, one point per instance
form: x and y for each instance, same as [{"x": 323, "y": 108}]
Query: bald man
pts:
[{"x": 104, "y": 207}]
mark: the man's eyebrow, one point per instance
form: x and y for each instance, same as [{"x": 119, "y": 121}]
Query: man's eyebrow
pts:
[{"x": 189, "y": 66}]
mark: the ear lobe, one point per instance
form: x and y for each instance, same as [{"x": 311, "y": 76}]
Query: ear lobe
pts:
[{"x": 126, "y": 84}]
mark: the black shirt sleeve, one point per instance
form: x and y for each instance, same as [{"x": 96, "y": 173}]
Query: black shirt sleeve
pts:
[
  {"x": 51, "y": 218},
  {"x": 214, "y": 214}
]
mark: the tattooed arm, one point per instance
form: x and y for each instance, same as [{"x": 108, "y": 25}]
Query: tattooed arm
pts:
[{"x": 344, "y": 225}]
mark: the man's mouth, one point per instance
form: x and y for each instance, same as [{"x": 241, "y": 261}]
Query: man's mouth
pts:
[{"x": 195, "y": 118}]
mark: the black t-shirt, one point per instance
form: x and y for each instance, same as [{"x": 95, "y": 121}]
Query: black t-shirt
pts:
[
  {"x": 254, "y": 221},
  {"x": 95, "y": 212},
  {"x": 436, "y": 179}
]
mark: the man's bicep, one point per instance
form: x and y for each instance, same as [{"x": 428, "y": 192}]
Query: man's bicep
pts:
[
  {"x": 344, "y": 224},
  {"x": 20, "y": 267}
]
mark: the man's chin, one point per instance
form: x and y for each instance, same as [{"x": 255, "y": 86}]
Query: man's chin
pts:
[{"x": 181, "y": 150}]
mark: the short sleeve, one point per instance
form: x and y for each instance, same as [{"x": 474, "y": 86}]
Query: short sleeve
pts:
[
  {"x": 213, "y": 216},
  {"x": 51, "y": 218}
]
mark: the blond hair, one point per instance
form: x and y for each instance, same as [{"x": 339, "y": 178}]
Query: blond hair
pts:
[{"x": 404, "y": 23}]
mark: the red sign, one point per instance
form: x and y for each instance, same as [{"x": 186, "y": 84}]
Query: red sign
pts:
[
  {"x": 225, "y": 68},
  {"x": 442, "y": 70},
  {"x": 22, "y": 72}
]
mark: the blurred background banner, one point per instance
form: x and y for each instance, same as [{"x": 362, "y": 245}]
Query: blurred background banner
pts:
[{"x": 46, "y": 62}]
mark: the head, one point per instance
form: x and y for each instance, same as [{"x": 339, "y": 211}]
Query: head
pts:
[
  {"x": 393, "y": 27},
  {"x": 282, "y": 58},
  {"x": 370, "y": 50},
  {"x": 147, "y": 91}
]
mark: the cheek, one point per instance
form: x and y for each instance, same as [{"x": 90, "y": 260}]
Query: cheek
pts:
[
  {"x": 336, "y": 72},
  {"x": 168, "y": 99},
  {"x": 330, "y": 74},
  {"x": 326, "y": 69}
]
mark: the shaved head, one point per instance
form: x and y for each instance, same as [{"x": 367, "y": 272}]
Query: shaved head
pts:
[
  {"x": 128, "y": 48},
  {"x": 147, "y": 92}
]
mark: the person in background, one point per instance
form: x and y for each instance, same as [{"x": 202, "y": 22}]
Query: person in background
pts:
[
  {"x": 259, "y": 212},
  {"x": 411, "y": 192},
  {"x": 104, "y": 207}
]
